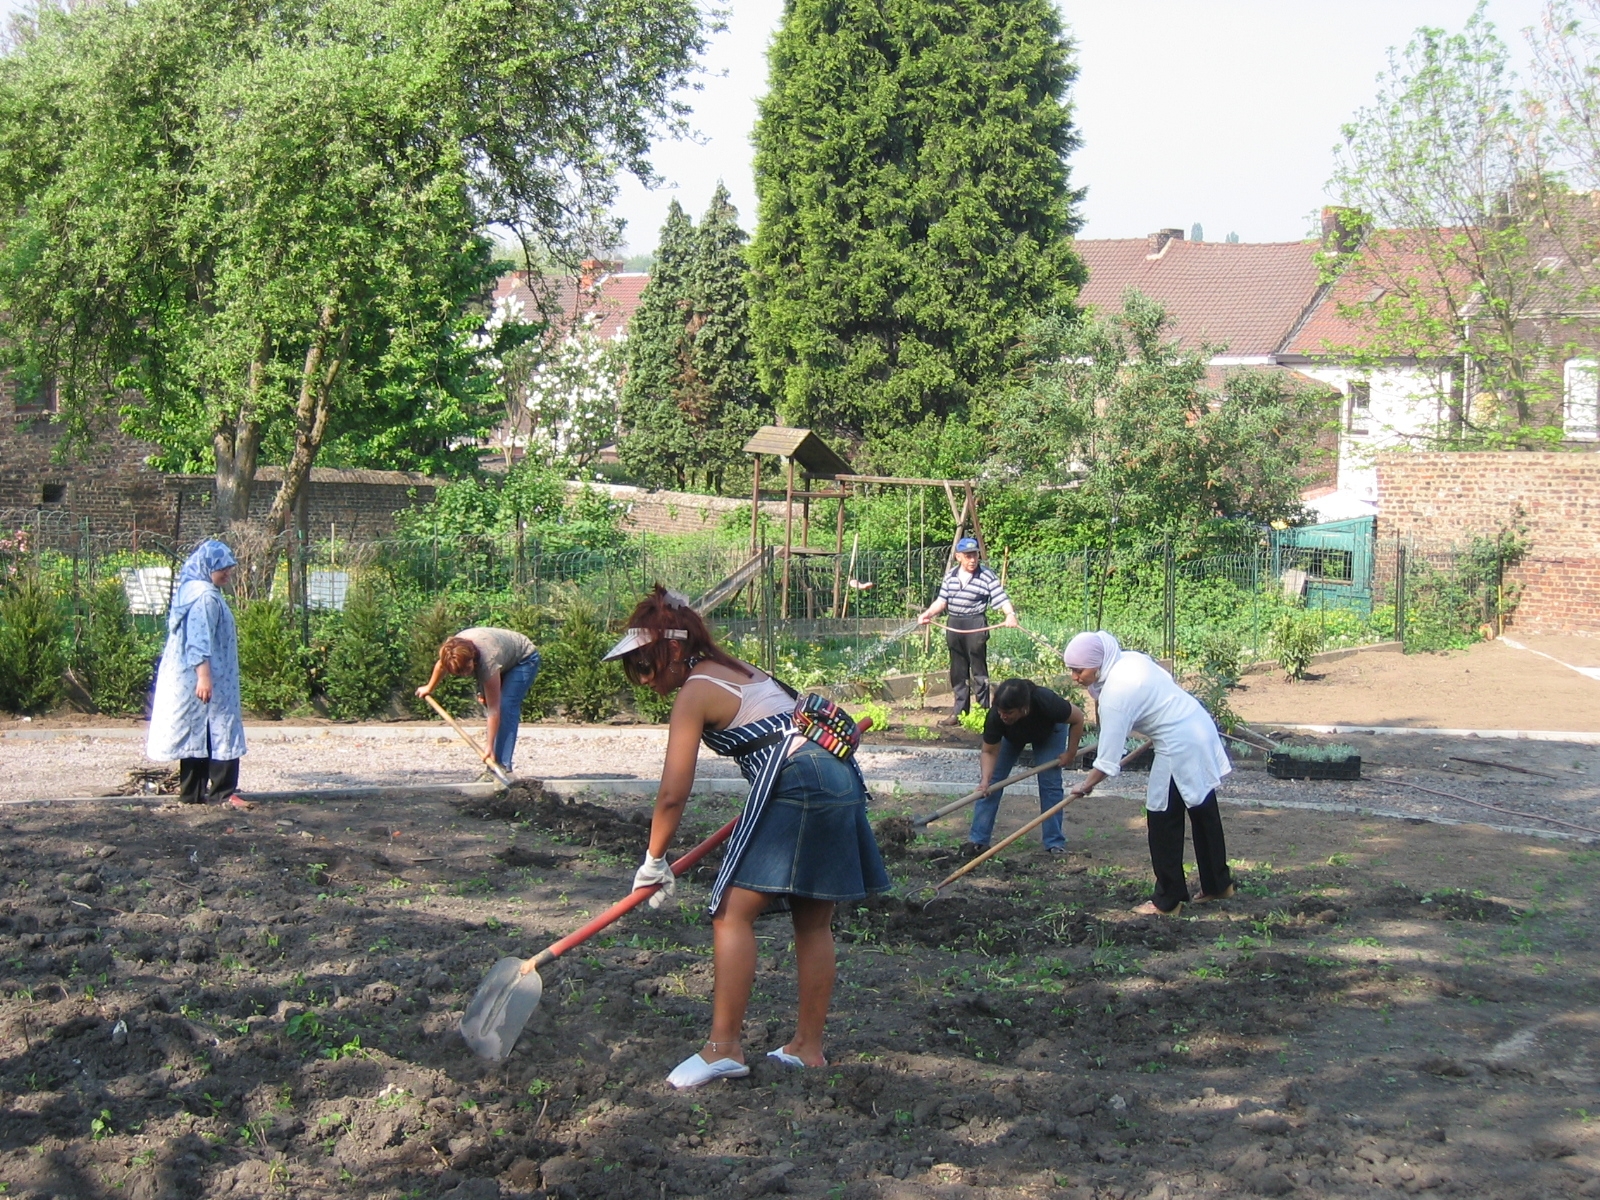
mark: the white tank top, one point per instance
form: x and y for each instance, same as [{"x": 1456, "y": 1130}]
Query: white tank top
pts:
[{"x": 759, "y": 698}]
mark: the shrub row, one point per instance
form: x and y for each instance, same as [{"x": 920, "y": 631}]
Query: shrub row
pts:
[{"x": 43, "y": 637}]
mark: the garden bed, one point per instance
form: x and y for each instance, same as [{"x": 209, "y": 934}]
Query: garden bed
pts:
[{"x": 286, "y": 984}]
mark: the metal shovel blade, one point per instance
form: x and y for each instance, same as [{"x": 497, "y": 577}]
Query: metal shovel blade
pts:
[{"x": 501, "y": 1007}]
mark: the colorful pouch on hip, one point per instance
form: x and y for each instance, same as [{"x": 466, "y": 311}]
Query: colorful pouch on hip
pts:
[{"x": 822, "y": 721}]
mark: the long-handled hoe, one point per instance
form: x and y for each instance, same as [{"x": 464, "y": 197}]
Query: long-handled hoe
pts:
[
  {"x": 488, "y": 760},
  {"x": 955, "y": 805},
  {"x": 916, "y": 905}
]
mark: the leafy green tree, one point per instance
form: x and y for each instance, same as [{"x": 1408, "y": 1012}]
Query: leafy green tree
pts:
[
  {"x": 1121, "y": 409},
  {"x": 915, "y": 209},
  {"x": 1464, "y": 250},
  {"x": 252, "y": 230}
]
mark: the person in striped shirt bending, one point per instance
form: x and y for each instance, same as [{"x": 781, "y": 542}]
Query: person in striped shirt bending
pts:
[{"x": 968, "y": 592}]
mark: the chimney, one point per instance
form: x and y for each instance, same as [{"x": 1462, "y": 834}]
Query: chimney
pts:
[
  {"x": 588, "y": 271},
  {"x": 1342, "y": 229},
  {"x": 1160, "y": 239}
]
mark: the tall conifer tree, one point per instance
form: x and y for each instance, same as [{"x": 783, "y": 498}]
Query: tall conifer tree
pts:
[
  {"x": 692, "y": 399},
  {"x": 656, "y": 441},
  {"x": 915, "y": 206}
]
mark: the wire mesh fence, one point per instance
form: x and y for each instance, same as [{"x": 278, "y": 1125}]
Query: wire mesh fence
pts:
[{"x": 1174, "y": 604}]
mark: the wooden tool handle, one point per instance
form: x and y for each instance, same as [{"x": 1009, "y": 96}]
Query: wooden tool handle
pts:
[
  {"x": 981, "y": 792},
  {"x": 999, "y": 846},
  {"x": 984, "y": 791},
  {"x": 499, "y": 771}
]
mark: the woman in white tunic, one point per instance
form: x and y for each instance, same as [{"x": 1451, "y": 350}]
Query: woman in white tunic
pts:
[
  {"x": 196, "y": 716},
  {"x": 1131, "y": 692}
]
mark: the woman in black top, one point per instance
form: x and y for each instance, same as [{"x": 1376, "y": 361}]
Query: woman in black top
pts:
[{"x": 1024, "y": 714}]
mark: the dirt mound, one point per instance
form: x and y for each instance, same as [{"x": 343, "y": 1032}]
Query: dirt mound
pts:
[
  {"x": 507, "y": 804},
  {"x": 212, "y": 1003},
  {"x": 1446, "y": 904},
  {"x": 895, "y": 835},
  {"x": 149, "y": 781}
]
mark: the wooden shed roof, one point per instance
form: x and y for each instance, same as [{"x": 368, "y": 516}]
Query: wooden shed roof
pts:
[{"x": 816, "y": 458}]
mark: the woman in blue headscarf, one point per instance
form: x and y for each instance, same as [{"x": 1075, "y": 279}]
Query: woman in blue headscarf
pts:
[{"x": 196, "y": 716}]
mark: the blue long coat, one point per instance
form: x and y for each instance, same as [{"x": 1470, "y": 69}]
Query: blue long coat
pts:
[{"x": 181, "y": 726}]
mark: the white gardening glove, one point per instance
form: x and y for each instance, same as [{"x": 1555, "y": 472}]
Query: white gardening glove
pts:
[{"x": 656, "y": 871}]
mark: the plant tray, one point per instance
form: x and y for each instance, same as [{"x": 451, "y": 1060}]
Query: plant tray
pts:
[{"x": 1282, "y": 766}]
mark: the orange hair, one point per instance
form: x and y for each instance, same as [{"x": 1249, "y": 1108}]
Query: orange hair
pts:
[{"x": 459, "y": 656}]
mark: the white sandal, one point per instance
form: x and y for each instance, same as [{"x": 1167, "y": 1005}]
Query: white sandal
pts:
[
  {"x": 694, "y": 1071},
  {"x": 781, "y": 1054}
]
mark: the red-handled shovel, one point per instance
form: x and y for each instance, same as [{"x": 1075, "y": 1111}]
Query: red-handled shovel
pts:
[{"x": 510, "y": 992}]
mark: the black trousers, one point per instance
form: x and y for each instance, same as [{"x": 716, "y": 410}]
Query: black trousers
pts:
[
  {"x": 969, "y": 665},
  {"x": 1165, "y": 830},
  {"x": 207, "y": 780}
]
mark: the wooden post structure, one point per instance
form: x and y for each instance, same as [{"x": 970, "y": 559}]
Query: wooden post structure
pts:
[
  {"x": 788, "y": 537},
  {"x": 970, "y": 509},
  {"x": 755, "y": 509},
  {"x": 838, "y": 552}
]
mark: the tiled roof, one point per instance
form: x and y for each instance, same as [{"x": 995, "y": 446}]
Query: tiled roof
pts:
[
  {"x": 1246, "y": 296},
  {"x": 609, "y": 300},
  {"x": 1389, "y": 261}
]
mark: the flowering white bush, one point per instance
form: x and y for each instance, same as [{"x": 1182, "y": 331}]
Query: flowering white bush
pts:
[{"x": 571, "y": 395}]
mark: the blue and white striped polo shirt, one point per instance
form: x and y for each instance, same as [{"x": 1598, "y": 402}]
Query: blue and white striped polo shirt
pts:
[{"x": 974, "y": 597}]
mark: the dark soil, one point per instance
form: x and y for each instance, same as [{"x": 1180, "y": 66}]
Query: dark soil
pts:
[{"x": 198, "y": 1003}]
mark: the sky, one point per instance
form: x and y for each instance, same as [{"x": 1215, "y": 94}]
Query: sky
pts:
[
  {"x": 1217, "y": 112},
  {"x": 1221, "y": 112}
]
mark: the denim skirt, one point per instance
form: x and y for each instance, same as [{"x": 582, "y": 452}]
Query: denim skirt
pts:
[{"x": 813, "y": 839}]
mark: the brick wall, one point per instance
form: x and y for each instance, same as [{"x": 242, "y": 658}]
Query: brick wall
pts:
[
  {"x": 358, "y": 505},
  {"x": 112, "y": 486},
  {"x": 1556, "y": 497},
  {"x": 110, "y": 483},
  {"x": 678, "y": 513}
]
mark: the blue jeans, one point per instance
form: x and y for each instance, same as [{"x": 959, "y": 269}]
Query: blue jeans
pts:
[
  {"x": 1050, "y": 790},
  {"x": 514, "y": 684}
]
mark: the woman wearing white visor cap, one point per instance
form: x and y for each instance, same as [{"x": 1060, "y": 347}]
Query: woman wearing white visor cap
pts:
[{"x": 1132, "y": 692}]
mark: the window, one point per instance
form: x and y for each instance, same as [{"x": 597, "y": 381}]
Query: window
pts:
[
  {"x": 1580, "y": 416},
  {"x": 52, "y": 493},
  {"x": 1358, "y": 407},
  {"x": 32, "y": 392}
]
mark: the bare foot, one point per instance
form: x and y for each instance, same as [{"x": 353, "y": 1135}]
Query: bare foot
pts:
[
  {"x": 239, "y": 802},
  {"x": 1149, "y": 909},
  {"x": 1225, "y": 894}
]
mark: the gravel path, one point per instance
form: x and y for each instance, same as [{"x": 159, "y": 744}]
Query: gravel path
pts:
[{"x": 50, "y": 763}]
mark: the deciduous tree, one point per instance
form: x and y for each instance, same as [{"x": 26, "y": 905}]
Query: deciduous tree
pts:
[
  {"x": 257, "y": 230},
  {"x": 1119, "y": 409}
]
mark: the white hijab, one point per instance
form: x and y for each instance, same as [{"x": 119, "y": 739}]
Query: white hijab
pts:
[{"x": 1099, "y": 649}]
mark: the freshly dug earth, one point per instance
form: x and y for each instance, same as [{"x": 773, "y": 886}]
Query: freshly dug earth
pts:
[
  {"x": 206, "y": 1003},
  {"x": 1487, "y": 686}
]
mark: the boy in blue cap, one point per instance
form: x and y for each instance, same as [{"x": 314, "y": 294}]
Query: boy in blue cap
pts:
[{"x": 968, "y": 592}]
